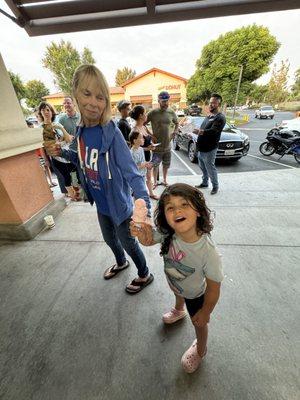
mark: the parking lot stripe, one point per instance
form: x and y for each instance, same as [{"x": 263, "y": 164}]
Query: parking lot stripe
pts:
[
  {"x": 254, "y": 129},
  {"x": 271, "y": 161},
  {"x": 184, "y": 163}
]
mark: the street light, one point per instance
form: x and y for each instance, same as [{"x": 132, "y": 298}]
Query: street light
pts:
[{"x": 237, "y": 90}]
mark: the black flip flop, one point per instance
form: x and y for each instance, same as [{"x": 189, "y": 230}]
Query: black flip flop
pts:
[
  {"x": 114, "y": 270},
  {"x": 140, "y": 285}
]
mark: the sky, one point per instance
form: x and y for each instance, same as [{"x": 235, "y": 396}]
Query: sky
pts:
[{"x": 173, "y": 47}]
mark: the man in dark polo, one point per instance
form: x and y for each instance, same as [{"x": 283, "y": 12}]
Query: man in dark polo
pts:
[
  {"x": 124, "y": 107},
  {"x": 207, "y": 143}
]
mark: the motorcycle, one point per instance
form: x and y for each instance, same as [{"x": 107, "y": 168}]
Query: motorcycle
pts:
[{"x": 282, "y": 142}]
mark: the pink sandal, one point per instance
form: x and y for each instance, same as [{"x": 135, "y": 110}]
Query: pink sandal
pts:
[
  {"x": 173, "y": 315},
  {"x": 191, "y": 360}
]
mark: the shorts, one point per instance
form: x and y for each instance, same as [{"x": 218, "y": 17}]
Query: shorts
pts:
[
  {"x": 194, "y": 305},
  {"x": 164, "y": 158}
]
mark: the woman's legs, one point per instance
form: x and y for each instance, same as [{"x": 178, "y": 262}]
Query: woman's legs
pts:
[
  {"x": 65, "y": 170},
  {"x": 111, "y": 238}
]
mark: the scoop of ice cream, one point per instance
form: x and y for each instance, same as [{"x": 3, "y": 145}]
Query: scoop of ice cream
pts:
[{"x": 140, "y": 211}]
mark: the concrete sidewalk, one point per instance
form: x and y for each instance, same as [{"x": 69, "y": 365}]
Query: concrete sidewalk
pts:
[{"x": 66, "y": 334}]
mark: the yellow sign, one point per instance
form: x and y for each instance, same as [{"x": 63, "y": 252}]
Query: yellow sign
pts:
[{"x": 169, "y": 87}]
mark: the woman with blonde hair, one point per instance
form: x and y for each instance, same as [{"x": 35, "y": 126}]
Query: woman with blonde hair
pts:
[{"x": 108, "y": 173}]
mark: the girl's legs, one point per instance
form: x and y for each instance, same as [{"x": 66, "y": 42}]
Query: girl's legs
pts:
[
  {"x": 179, "y": 303},
  {"x": 201, "y": 334}
]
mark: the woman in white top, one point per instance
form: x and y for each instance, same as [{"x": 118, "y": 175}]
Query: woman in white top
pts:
[{"x": 138, "y": 113}]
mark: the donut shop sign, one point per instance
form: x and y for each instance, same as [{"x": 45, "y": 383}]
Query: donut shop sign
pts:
[{"x": 169, "y": 87}]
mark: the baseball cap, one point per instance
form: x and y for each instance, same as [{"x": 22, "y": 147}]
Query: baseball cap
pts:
[
  {"x": 164, "y": 95},
  {"x": 122, "y": 104}
]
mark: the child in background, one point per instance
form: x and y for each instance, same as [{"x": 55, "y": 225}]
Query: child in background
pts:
[
  {"x": 136, "y": 140},
  {"x": 191, "y": 261}
]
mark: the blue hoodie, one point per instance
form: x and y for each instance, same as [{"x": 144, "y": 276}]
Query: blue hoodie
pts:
[{"x": 118, "y": 172}]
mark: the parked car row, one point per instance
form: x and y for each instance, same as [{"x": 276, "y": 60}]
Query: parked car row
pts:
[{"x": 233, "y": 144}]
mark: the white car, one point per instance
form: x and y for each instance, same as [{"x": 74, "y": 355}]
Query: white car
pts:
[
  {"x": 291, "y": 124},
  {"x": 180, "y": 113},
  {"x": 265, "y": 112}
]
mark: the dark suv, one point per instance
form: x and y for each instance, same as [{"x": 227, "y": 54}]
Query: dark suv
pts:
[
  {"x": 233, "y": 144},
  {"x": 194, "y": 110}
]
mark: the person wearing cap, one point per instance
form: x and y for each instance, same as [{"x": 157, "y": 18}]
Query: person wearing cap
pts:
[
  {"x": 124, "y": 109},
  {"x": 164, "y": 125}
]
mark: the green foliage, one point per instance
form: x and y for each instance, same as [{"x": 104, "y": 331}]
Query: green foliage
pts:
[
  {"x": 123, "y": 75},
  {"x": 18, "y": 85},
  {"x": 35, "y": 90},
  {"x": 277, "y": 88},
  {"x": 218, "y": 68},
  {"x": 296, "y": 86},
  {"x": 62, "y": 59},
  {"x": 258, "y": 93}
]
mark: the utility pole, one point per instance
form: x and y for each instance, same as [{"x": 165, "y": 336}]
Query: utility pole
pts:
[{"x": 237, "y": 90}]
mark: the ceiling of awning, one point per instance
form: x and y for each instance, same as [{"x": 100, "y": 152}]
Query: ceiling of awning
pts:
[{"x": 44, "y": 17}]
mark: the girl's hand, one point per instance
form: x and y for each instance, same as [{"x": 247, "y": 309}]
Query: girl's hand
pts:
[
  {"x": 143, "y": 232},
  {"x": 52, "y": 148},
  {"x": 200, "y": 319},
  {"x": 149, "y": 165}
]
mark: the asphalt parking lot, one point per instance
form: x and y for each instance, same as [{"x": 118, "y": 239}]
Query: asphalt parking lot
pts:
[{"x": 254, "y": 161}]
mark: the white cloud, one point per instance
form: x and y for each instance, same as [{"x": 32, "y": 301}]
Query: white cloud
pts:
[{"x": 174, "y": 47}]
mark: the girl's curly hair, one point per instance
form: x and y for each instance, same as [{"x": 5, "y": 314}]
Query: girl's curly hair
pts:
[{"x": 197, "y": 201}]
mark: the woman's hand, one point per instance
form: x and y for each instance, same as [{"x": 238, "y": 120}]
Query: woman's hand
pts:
[
  {"x": 143, "y": 232},
  {"x": 52, "y": 148}
]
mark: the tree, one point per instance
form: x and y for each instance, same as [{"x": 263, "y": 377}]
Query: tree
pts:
[
  {"x": 218, "y": 68},
  {"x": 35, "y": 90},
  {"x": 18, "y": 85},
  {"x": 123, "y": 75},
  {"x": 62, "y": 59},
  {"x": 277, "y": 90},
  {"x": 296, "y": 86},
  {"x": 258, "y": 93}
]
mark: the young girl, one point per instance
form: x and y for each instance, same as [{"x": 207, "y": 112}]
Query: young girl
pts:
[
  {"x": 136, "y": 141},
  {"x": 191, "y": 261},
  {"x": 138, "y": 113}
]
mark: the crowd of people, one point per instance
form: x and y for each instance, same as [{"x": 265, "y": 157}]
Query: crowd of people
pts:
[{"x": 115, "y": 164}]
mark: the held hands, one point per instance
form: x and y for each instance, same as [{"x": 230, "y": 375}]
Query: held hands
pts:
[
  {"x": 200, "y": 319},
  {"x": 143, "y": 231}
]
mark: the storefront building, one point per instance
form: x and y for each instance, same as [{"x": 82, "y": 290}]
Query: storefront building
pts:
[{"x": 142, "y": 89}]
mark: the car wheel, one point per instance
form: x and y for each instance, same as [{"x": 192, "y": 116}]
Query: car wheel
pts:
[
  {"x": 192, "y": 153},
  {"x": 272, "y": 116},
  {"x": 175, "y": 145},
  {"x": 267, "y": 149}
]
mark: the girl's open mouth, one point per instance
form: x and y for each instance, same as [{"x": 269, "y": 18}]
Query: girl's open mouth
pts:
[{"x": 180, "y": 219}]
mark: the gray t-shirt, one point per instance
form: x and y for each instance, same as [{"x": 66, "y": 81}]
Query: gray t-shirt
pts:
[
  {"x": 69, "y": 123},
  {"x": 162, "y": 123},
  {"x": 138, "y": 156},
  {"x": 187, "y": 265}
]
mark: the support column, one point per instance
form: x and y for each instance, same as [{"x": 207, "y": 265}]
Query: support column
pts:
[{"x": 25, "y": 197}]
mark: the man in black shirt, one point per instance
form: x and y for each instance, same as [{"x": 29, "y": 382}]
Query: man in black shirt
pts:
[
  {"x": 207, "y": 143},
  {"x": 124, "y": 109}
]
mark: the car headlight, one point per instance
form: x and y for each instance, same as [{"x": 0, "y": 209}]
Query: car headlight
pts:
[{"x": 246, "y": 141}]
